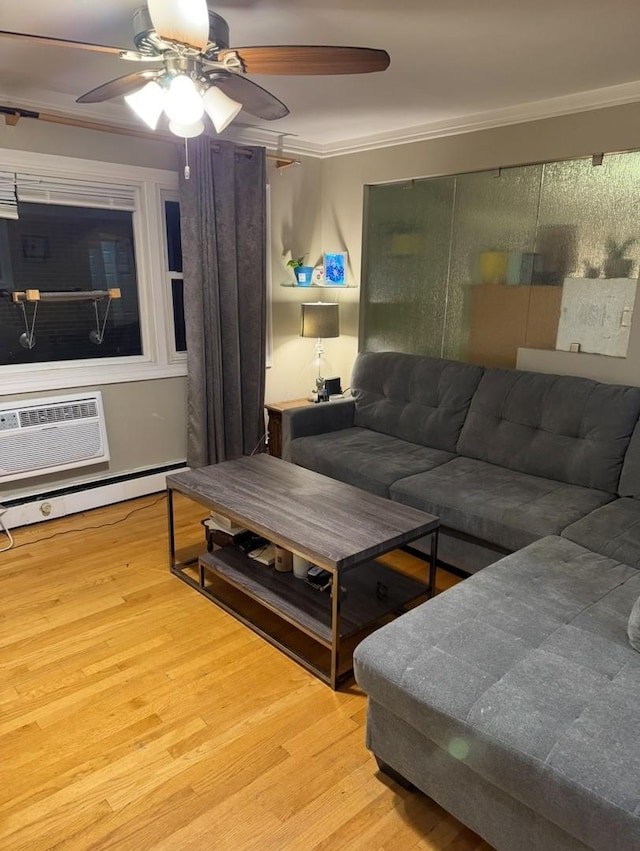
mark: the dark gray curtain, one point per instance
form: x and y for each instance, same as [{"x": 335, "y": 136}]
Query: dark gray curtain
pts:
[{"x": 223, "y": 214}]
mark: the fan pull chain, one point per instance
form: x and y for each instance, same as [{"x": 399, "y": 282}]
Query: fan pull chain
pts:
[{"x": 187, "y": 169}]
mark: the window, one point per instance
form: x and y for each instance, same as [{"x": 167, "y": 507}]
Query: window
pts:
[
  {"x": 58, "y": 249},
  {"x": 174, "y": 271},
  {"x": 99, "y": 240}
]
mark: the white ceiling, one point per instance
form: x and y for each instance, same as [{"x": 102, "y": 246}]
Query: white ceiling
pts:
[{"x": 455, "y": 64}]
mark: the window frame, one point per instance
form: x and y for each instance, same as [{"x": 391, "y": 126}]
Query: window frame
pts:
[{"x": 159, "y": 358}]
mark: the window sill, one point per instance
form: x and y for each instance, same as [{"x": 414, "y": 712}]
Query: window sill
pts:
[{"x": 61, "y": 378}]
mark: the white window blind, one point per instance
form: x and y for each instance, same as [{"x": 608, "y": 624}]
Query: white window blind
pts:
[
  {"x": 78, "y": 193},
  {"x": 8, "y": 202}
]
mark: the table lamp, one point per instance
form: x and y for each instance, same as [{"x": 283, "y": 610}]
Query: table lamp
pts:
[{"x": 320, "y": 320}]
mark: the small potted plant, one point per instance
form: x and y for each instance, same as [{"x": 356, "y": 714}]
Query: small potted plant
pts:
[
  {"x": 616, "y": 265},
  {"x": 303, "y": 273}
]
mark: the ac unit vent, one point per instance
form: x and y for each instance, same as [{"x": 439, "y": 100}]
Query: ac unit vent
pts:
[
  {"x": 49, "y": 435},
  {"x": 59, "y": 413}
]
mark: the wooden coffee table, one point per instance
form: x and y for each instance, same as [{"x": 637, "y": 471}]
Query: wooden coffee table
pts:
[{"x": 334, "y": 525}]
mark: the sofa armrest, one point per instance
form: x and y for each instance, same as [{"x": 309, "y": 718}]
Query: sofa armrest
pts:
[{"x": 315, "y": 419}]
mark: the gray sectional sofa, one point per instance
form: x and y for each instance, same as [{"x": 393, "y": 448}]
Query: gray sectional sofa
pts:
[{"x": 513, "y": 698}]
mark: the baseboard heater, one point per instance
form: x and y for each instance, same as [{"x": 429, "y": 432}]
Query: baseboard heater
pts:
[{"x": 36, "y": 507}]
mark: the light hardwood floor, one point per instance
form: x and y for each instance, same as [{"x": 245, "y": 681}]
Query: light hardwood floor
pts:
[{"x": 135, "y": 714}]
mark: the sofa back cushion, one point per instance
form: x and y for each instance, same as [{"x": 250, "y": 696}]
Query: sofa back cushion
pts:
[
  {"x": 570, "y": 429},
  {"x": 420, "y": 399},
  {"x": 630, "y": 476}
]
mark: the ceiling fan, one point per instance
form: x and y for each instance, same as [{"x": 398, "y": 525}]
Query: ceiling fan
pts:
[{"x": 194, "y": 71}]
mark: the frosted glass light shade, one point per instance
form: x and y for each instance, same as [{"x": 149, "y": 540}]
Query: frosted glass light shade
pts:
[
  {"x": 147, "y": 103},
  {"x": 220, "y": 108},
  {"x": 186, "y": 21},
  {"x": 187, "y": 131},
  {"x": 183, "y": 104}
]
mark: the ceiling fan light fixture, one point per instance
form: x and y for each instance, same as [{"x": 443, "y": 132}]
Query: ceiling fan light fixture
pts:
[
  {"x": 183, "y": 103},
  {"x": 148, "y": 103},
  {"x": 187, "y": 131},
  {"x": 184, "y": 21},
  {"x": 220, "y": 108}
]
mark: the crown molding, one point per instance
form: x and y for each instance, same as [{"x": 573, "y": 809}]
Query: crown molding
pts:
[
  {"x": 625, "y": 93},
  {"x": 292, "y": 144}
]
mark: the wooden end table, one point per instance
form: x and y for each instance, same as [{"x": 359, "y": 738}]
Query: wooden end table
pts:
[{"x": 274, "y": 423}]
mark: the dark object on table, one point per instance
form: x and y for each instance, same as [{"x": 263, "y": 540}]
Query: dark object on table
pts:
[{"x": 319, "y": 578}]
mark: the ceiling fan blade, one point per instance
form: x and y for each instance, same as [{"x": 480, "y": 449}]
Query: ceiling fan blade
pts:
[
  {"x": 61, "y": 42},
  {"x": 118, "y": 87},
  {"x": 310, "y": 59},
  {"x": 254, "y": 99},
  {"x": 184, "y": 21}
]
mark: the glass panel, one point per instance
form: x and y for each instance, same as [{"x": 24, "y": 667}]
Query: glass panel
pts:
[
  {"x": 179, "y": 328},
  {"x": 174, "y": 244},
  {"x": 406, "y": 260},
  {"x": 491, "y": 259},
  {"x": 54, "y": 248},
  {"x": 477, "y": 266},
  {"x": 589, "y": 241}
]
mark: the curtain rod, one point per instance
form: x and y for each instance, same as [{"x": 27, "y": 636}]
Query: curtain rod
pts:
[{"x": 12, "y": 114}]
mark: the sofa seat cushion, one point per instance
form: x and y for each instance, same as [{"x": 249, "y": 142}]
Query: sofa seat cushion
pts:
[
  {"x": 525, "y": 673},
  {"x": 364, "y": 458},
  {"x": 613, "y": 530},
  {"x": 505, "y": 507},
  {"x": 633, "y": 627}
]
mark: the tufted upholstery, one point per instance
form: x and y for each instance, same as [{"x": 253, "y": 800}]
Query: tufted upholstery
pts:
[
  {"x": 507, "y": 508},
  {"x": 525, "y": 672},
  {"x": 630, "y": 476},
  {"x": 364, "y": 458},
  {"x": 419, "y": 399},
  {"x": 613, "y": 530},
  {"x": 558, "y": 427}
]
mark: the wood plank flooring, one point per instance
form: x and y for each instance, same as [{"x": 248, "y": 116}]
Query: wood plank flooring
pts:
[{"x": 135, "y": 715}]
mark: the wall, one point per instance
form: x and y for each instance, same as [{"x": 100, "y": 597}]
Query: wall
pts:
[
  {"x": 146, "y": 420},
  {"x": 296, "y": 229}
]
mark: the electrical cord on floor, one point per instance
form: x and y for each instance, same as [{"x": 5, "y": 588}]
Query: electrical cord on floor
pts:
[
  {"x": 258, "y": 444},
  {"x": 82, "y": 529},
  {"x": 7, "y": 532}
]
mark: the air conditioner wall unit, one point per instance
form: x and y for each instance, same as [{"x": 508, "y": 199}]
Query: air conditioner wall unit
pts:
[{"x": 40, "y": 436}]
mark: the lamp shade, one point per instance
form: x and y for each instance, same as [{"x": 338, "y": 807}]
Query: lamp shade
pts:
[
  {"x": 183, "y": 103},
  {"x": 187, "y": 131},
  {"x": 320, "y": 320},
  {"x": 220, "y": 108},
  {"x": 148, "y": 103}
]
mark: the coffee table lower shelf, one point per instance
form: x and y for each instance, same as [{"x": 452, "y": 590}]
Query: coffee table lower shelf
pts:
[{"x": 369, "y": 592}]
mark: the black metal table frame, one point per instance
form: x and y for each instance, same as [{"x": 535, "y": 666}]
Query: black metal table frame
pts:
[{"x": 333, "y": 678}]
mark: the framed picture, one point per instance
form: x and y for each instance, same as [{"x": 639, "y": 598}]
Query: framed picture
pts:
[
  {"x": 35, "y": 248},
  {"x": 335, "y": 269}
]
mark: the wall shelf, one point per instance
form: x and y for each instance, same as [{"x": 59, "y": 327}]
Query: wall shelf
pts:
[
  {"x": 321, "y": 286},
  {"x": 34, "y": 297},
  {"x": 20, "y": 297}
]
